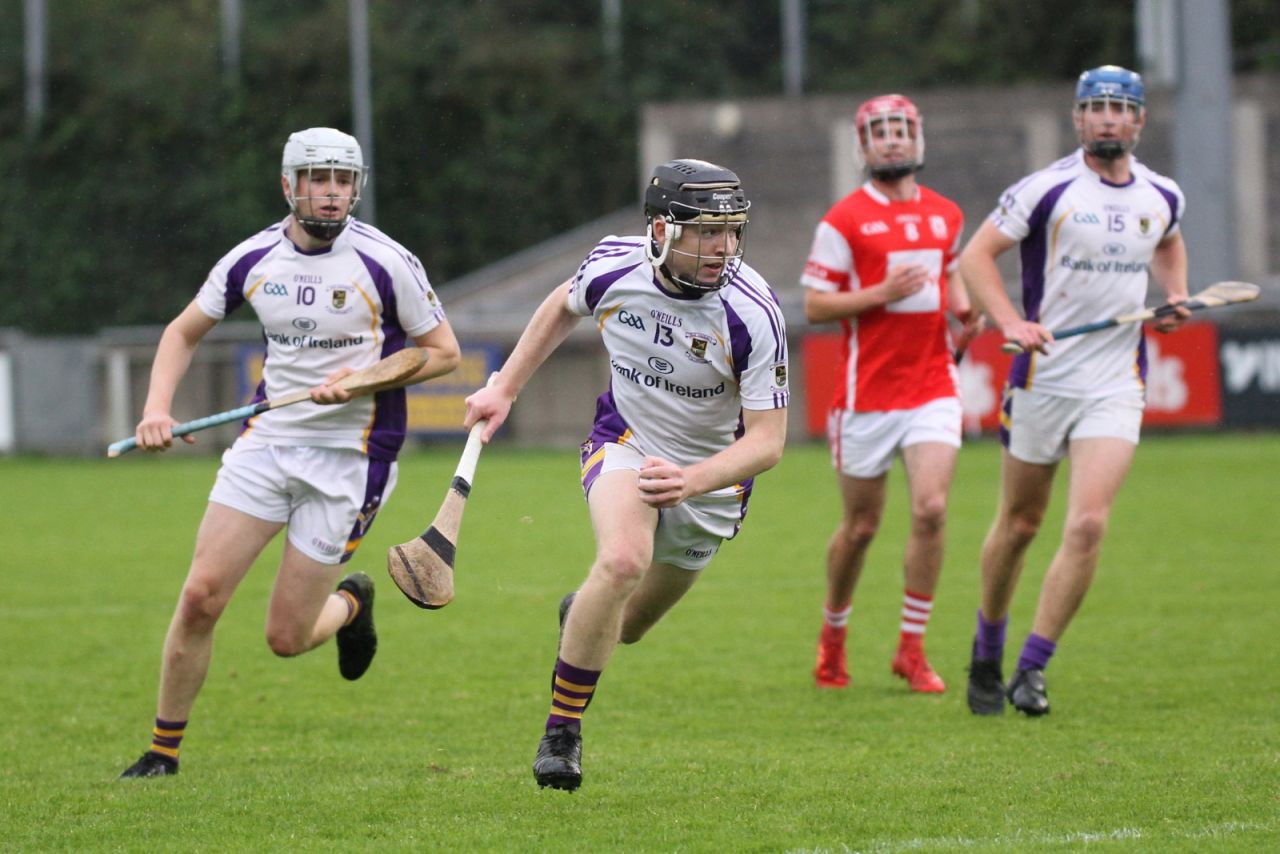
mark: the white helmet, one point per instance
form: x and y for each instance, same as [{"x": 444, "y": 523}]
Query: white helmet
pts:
[{"x": 322, "y": 148}]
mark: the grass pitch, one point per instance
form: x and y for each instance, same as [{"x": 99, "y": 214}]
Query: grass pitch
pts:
[{"x": 707, "y": 736}]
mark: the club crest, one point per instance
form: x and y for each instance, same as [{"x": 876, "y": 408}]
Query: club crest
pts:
[
  {"x": 780, "y": 375},
  {"x": 339, "y": 300}
]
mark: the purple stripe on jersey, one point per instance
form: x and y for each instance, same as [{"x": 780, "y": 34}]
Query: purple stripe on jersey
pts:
[
  {"x": 611, "y": 250},
  {"x": 1035, "y": 250},
  {"x": 1020, "y": 371},
  {"x": 607, "y": 429},
  {"x": 375, "y": 485},
  {"x": 768, "y": 301},
  {"x": 386, "y": 434},
  {"x": 1006, "y": 406},
  {"x": 596, "y": 290},
  {"x": 609, "y": 425},
  {"x": 1172, "y": 199},
  {"x": 739, "y": 340},
  {"x": 238, "y": 273},
  {"x": 1142, "y": 355},
  {"x": 371, "y": 233},
  {"x": 589, "y": 476}
]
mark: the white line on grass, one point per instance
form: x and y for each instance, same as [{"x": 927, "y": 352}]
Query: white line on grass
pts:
[{"x": 1020, "y": 839}]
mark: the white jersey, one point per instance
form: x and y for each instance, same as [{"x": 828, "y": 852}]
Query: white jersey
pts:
[
  {"x": 1086, "y": 249},
  {"x": 683, "y": 366},
  {"x": 349, "y": 305}
]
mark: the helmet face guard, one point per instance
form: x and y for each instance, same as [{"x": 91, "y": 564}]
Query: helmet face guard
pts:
[
  {"x": 704, "y": 214},
  {"x": 883, "y": 122},
  {"x": 331, "y": 160},
  {"x": 1109, "y": 99}
]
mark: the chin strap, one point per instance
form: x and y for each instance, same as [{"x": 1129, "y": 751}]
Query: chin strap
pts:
[{"x": 322, "y": 229}]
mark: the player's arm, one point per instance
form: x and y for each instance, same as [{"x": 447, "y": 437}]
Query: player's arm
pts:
[
  {"x": 961, "y": 308},
  {"x": 173, "y": 357},
  {"x": 986, "y": 288},
  {"x": 901, "y": 281},
  {"x": 443, "y": 355},
  {"x": 664, "y": 484},
  {"x": 547, "y": 329},
  {"x": 1169, "y": 269}
]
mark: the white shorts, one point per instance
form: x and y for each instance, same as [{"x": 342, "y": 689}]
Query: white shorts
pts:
[
  {"x": 328, "y": 497},
  {"x": 689, "y": 534},
  {"x": 863, "y": 444},
  {"x": 1037, "y": 428}
]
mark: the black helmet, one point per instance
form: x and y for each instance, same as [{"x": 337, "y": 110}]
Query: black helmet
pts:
[
  {"x": 689, "y": 192},
  {"x": 683, "y": 190}
]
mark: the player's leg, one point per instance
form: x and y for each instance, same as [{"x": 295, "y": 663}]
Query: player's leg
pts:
[
  {"x": 863, "y": 446},
  {"x": 687, "y": 538},
  {"x": 929, "y": 467},
  {"x": 227, "y": 543},
  {"x": 624, "y": 529},
  {"x": 336, "y": 496},
  {"x": 1098, "y": 468},
  {"x": 861, "y": 505},
  {"x": 304, "y": 611},
  {"x": 1103, "y": 436},
  {"x": 1025, "y": 489},
  {"x": 663, "y": 586}
]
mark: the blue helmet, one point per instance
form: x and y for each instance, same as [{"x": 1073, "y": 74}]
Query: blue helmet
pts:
[
  {"x": 1110, "y": 84},
  {"x": 1111, "y": 81}
]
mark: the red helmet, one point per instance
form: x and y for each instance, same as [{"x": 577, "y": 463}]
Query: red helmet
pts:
[{"x": 884, "y": 108}]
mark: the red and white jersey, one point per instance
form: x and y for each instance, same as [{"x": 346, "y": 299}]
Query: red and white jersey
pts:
[{"x": 897, "y": 356}]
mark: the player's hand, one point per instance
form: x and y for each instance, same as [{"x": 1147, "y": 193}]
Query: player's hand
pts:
[
  {"x": 155, "y": 432},
  {"x": 492, "y": 404},
  {"x": 1027, "y": 335},
  {"x": 327, "y": 394},
  {"x": 1173, "y": 321},
  {"x": 972, "y": 325},
  {"x": 662, "y": 484},
  {"x": 904, "y": 280}
]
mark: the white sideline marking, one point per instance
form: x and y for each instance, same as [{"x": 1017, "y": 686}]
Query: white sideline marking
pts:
[{"x": 946, "y": 843}]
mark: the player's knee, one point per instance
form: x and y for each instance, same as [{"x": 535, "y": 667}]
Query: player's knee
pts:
[
  {"x": 285, "y": 643},
  {"x": 200, "y": 605},
  {"x": 1021, "y": 528},
  {"x": 928, "y": 514},
  {"x": 1085, "y": 530},
  {"x": 632, "y": 634},
  {"x": 621, "y": 567},
  {"x": 859, "y": 531}
]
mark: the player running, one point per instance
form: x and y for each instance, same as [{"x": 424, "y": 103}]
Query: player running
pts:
[
  {"x": 883, "y": 264},
  {"x": 333, "y": 295},
  {"x": 696, "y": 407}
]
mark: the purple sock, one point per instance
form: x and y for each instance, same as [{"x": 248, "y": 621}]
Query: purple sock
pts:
[
  {"x": 988, "y": 641},
  {"x": 571, "y": 691},
  {"x": 1036, "y": 652}
]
